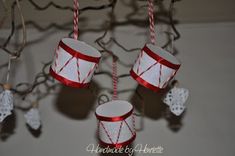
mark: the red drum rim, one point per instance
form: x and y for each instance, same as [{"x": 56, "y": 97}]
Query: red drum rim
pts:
[
  {"x": 114, "y": 118},
  {"x": 144, "y": 83},
  {"x": 118, "y": 145},
  {"x": 157, "y": 53},
  {"x": 64, "y": 44},
  {"x": 68, "y": 82}
]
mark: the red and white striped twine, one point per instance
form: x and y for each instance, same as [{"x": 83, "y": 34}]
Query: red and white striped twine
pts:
[
  {"x": 66, "y": 63},
  {"x": 151, "y": 21},
  {"x": 115, "y": 79},
  {"x": 100, "y": 124},
  {"x": 119, "y": 132},
  {"x": 169, "y": 78},
  {"x": 89, "y": 73},
  {"x": 78, "y": 71},
  {"x": 128, "y": 126},
  {"x": 75, "y": 19},
  {"x": 107, "y": 133}
]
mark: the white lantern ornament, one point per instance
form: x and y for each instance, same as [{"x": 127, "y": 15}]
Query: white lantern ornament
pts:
[
  {"x": 75, "y": 61},
  {"x": 175, "y": 98}
]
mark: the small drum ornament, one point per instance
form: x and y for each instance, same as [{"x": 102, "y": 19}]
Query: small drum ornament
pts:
[
  {"x": 116, "y": 125},
  {"x": 74, "y": 63},
  {"x": 154, "y": 67}
]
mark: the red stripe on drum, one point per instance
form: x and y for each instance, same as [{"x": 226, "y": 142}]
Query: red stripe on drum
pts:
[
  {"x": 68, "y": 82},
  {"x": 78, "y": 54},
  {"x": 114, "y": 119},
  {"x": 159, "y": 58}
]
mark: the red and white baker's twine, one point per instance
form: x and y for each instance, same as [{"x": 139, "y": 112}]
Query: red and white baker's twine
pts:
[
  {"x": 89, "y": 73},
  {"x": 106, "y": 132},
  {"x": 66, "y": 63},
  {"x": 119, "y": 132},
  {"x": 115, "y": 79},
  {"x": 100, "y": 124},
  {"x": 151, "y": 66},
  {"x": 75, "y": 19},
  {"x": 151, "y": 21},
  {"x": 169, "y": 78},
  {"x": 78, "y": 71}
]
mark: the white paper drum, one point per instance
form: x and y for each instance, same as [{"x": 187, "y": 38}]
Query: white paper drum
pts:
[
  {"x": 154, "y": 67},
  {"x": 116, "y": 125},
  {"x": 74, "y": 63}
]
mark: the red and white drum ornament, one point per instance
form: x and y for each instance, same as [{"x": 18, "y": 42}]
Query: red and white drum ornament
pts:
[
  {"x": 154, "y": 67},
  {"x": 116, "y": 125},
  {"x": 74, "y": 63}
]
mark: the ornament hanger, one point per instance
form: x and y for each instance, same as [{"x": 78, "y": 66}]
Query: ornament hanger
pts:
[
  {"x": 151, "y": 22},
  {"x": 75, "y": 19},
  {"x": 115, "y": 78}
]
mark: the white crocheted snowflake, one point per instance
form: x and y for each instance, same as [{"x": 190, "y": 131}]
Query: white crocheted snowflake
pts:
[
  {"x": 6, "y": 104},
  {"x": 33, "y": 118},
  {"x": 175, "y": 99}
]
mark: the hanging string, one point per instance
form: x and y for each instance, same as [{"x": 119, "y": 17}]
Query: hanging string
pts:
[
  {"x": 75, "y": 19},
  {"x": 151, "y": 21},
  {"x": 8, "y": 69},
  {"x": 115, "y": 78}
]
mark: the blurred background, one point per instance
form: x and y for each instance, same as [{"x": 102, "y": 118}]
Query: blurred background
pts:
[{"x": 206, "y": 49}]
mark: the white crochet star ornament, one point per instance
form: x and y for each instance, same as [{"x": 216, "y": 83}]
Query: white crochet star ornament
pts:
[{"x": 175, "y": 99}]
